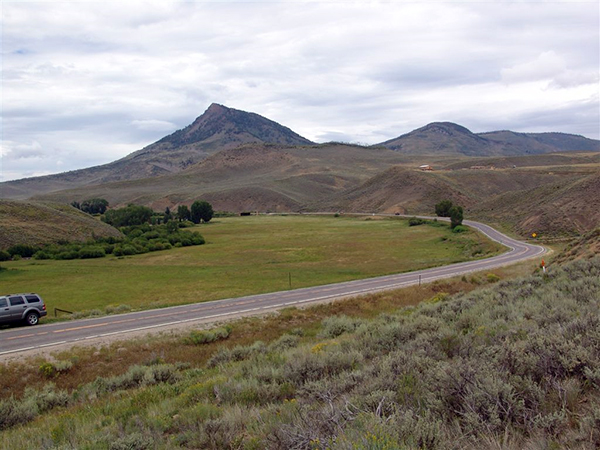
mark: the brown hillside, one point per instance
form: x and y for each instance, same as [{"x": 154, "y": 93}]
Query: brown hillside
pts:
[
  {"x": 38, "y": 223},
  {"x": 565, "y": 207},
  {"x": 294, "y": 175},
  {"x": 396, "y": 190}
]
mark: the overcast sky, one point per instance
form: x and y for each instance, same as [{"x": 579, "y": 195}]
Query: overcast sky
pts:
[{"x": 85, "y": 83}]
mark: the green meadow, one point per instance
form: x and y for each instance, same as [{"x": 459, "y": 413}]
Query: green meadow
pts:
[{"x": 246, "y": 255}]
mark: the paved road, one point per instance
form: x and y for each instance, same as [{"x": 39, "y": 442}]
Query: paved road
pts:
[{"x": 20, "y": 339}]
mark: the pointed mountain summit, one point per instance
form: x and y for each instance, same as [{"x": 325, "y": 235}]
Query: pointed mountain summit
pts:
[{"x": 219, "y": 128}]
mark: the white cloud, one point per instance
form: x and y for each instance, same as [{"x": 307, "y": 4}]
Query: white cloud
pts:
[
  {"x": 154, "y": 125},
  {"x": 545, "y": 67},
  {"x": 99, "y": 80}
]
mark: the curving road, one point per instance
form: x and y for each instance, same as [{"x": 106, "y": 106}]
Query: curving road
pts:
[{"x": 21, "y": 339}]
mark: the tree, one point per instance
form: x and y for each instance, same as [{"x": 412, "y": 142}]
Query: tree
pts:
[
  {"x": 442, "y": 209},
  {"x": 201, "y": 211},
  {"x": 183, "y": 213},
  {"x": 168, "y": 216},
  {"x": 94, "y": 206},
  {"x": 128, "y": 216},
  {"x": 456, "y": 216}
]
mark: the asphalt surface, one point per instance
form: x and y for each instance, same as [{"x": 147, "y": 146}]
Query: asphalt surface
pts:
[{"x": 20, "y": 339}]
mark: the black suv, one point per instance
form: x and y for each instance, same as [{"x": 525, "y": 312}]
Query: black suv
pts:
[{"x": 22, "y": 307}]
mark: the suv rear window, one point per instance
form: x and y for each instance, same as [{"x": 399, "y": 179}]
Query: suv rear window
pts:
[
  {"x": 32, "y": 298},
  {"x": 16, "y": 301}
]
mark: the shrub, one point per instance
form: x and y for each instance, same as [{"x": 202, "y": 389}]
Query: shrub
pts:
[
  {"x": 337, "y": 325},
  {"x": 197, "y": 337},
  {"x": 138, "y": 376},
  {"x": 71, "y": 254},
  {"x": 415, "y": 221},
  {"x": 284, "y": 342},
  {"x": 92, "y": 252},
  {"x": 42, "y": 255},
  {"x": 459, "y": 229},
  {"x": 112, "y": 309},
  {"x": 492, "y": 278},
  {"x": 53, "y": 369},
  {"x": 134, "y": 441},
  {"x": 23, "y": 250},
  {"x": 17, "y": 412},
  {"x": 4, "y": 255}
]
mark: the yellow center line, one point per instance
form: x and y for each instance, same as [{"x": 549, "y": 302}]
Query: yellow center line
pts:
[
  {"x": 20, "y": 337},
  {"x": 26, "y": 336},
  {"x": 81, "y": 328}
]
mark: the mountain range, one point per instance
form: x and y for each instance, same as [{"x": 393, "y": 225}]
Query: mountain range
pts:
[{"x": 242, "y": 161}]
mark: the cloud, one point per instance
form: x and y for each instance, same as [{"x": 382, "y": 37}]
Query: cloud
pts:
[
  {"x": 154, "y": 125},
  {"x": 550, "y": 67},
  {"x": 99, "y": 80}
]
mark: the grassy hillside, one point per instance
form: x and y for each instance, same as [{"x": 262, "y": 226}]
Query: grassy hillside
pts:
[
  {"x": 514, "y": 366},
  {"x": 586, "y": 247},
  {"x": 35, "y": 223},
  {"x": 247, "y": 255}
]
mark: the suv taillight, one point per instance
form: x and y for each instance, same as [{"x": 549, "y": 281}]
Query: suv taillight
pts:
[{"x": 44, "y": 307}]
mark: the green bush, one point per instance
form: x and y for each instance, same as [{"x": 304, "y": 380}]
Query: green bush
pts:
[
  {"x": 459, "y": 229},
  {"x": 92, "y": 252},
  {"x": 197, "y": 337},
  {"x": 492, "y": 278},
  {"x": 4, "y": 255},
  {"x": 415, "y": 221},
  {"x": 23, "y": 250},
  {"x": 335, "y": 326},
  {"x": 42, "y": 255},
  {"x": 18, "y": 412}
]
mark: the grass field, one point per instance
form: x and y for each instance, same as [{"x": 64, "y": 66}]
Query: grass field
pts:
[{"x": 246, "y": 255}]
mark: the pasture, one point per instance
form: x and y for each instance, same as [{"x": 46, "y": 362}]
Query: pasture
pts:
[{"x": 243, "y": 256}]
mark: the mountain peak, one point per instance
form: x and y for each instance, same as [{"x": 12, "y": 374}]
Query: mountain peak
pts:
[
  {"x": 440, "y": 138},
  {"x": 216, "y": 109},
  {"x": 448, "y": 128},
  {"x": 223, "y": 127}
]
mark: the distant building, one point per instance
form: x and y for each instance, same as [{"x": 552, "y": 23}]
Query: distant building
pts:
[{"x": 426, "y": 167}]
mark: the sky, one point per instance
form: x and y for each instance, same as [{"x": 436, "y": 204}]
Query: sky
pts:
[{"x": 86, "y": 83}]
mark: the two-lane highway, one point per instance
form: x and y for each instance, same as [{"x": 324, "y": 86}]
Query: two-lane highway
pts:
[{"x": 27, "y": 338}]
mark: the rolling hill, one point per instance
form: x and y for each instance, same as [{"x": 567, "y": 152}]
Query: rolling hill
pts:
[
  {"x": 263, "y": 177},
  {"x": 37, "y": 223}
]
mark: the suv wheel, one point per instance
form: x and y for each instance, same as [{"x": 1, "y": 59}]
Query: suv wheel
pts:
[{"x": 32, "y": 318}]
